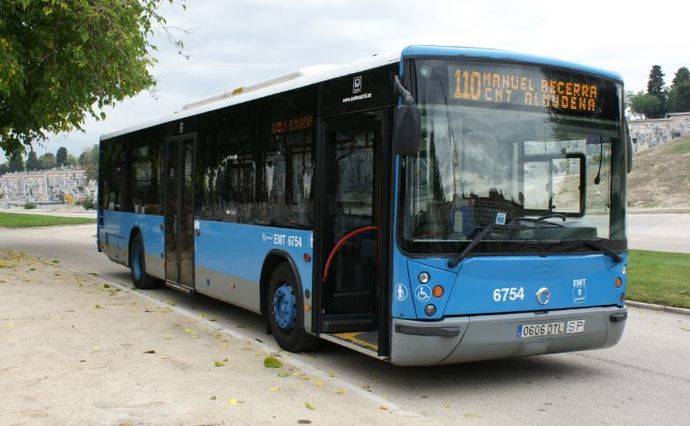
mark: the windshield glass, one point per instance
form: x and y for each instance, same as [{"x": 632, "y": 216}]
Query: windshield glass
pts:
[{"x": 531, "y": 151}]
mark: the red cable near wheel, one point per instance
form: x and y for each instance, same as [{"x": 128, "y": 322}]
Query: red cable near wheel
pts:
[{"x": 340, "y": 243}]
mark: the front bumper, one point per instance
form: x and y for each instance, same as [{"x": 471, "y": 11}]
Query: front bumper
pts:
[{"x": 482, "y": 337}]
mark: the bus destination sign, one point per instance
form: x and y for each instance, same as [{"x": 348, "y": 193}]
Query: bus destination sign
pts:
[{"x": 565, "y": 93}]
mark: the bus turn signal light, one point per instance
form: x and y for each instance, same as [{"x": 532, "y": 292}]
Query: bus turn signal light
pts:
[
  {"x": 619, "y": 282},
  {"x": 437, "y": 291}
]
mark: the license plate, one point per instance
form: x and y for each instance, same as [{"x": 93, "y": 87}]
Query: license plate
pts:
[{"x": 550, "y": 329}]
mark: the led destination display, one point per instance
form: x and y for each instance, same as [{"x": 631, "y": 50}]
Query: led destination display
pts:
[{"x": 561, "y": 92}]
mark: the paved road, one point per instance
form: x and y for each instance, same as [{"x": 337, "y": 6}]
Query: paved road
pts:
[
  {"x": 644, "y": 379},
  {"x": 661, "y": 231}
]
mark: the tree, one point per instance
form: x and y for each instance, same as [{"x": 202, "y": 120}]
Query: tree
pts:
[
  {"x": 89, "y": 162},
  {"x": 71, "y": 160},
  {"x": 32, "y": 162},
  {"x": 645, "y": 104},
  {"x": 4, "y": 168},
  {"x": 679, "y": 95},
  {"x": 683, "y": 74},
  {"x": 61, "y": 156},
  {"x": 47, "y": 161},
  {"x": 655, "y": 87},
  {"x": 64, "y": 60},
  {"x": 16, "y": 164}
]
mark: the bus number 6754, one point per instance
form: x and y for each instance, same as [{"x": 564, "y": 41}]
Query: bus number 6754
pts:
[{"x": 509, "y": 293}]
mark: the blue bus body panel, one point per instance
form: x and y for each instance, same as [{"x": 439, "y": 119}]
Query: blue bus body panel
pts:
[
  {"x": 503, "y": 55},
  {"x": 502, "y": 284},
  {"x": 114, "y": 236},
  {"x": 229, "y": 258}
]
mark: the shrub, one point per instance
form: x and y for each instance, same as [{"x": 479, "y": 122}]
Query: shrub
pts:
[
  {"x": 87, "y": 203},
  {"x": 29, "y": 205}
]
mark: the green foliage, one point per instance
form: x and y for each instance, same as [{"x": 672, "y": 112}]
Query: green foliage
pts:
[
  {"x": 64, "y": 60},
  {"x": 61, "y": 156},
  {"x": 16, "y": 164},
  {"x": 683, "y": 74},
  {"x": 655, "y": 87},
  {"x": 679, "y": 95},
  {"x": 71, "y": 160},
  {"x": 32, "y": 162},
  {"x": 89, "y": 162},
  {"x": 29, "y": 205},
  {"x": 47, "y": 161},
  {"x": 4, "y": 168},
  {"x": 88, "y": 203},
  {"x": 645, "y": 104}
]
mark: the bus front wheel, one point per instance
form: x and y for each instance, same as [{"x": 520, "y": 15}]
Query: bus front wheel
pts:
[
  {"x": 284, "y": 311},
  {"x": 137, "y": 265}
]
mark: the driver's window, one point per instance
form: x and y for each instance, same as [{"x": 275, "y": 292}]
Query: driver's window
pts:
[{"x": 554, "y": 185}]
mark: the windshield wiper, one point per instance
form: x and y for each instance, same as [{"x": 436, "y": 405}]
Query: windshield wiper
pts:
[
  {"x": 602, "y": 246},
  {"x": 452, "y": 263}
]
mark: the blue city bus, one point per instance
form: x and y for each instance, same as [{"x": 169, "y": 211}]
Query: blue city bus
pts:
[{"x": 436, "y": 205}]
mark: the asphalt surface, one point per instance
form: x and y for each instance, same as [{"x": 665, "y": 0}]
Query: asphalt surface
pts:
[
  {"x": 660, "y": 231},
  {"x": 644, "y": 379}
]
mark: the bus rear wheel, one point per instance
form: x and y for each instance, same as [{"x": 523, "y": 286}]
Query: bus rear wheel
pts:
[
  {"x": 285, "y": 310},
  {"x": 137, "y": 265}
]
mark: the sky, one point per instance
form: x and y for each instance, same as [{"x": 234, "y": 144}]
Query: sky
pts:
[{"x": 232, "y": 43}]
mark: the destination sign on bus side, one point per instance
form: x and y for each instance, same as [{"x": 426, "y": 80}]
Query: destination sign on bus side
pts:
[{"x": 528, "y": 87}]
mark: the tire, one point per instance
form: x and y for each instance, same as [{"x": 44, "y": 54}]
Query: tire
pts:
[
  {"x": 285, "y": 308},
  {"x": 137, "y": 265}
]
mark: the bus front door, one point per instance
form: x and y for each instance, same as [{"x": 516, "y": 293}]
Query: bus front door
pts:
[
  {"x": 179, "y": 214},
  {"x": 349, "y": 226}
]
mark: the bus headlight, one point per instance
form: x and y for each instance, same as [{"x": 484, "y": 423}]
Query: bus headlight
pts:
[{"x": 430, "y": 310}]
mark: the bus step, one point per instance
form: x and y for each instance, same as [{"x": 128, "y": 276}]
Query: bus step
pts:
[
  {"x": 338, "y": 323},
  {"x": 179, "y": 287}
]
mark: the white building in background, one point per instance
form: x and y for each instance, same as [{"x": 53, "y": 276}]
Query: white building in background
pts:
[
  {"x": 652, "y": 132},
  {"x": 46, "y": 186}
]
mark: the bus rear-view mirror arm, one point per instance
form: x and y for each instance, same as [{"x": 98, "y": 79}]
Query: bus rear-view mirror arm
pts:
[{"x": 408, "y": 122}]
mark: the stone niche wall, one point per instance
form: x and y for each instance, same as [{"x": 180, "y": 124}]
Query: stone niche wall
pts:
[{"x": 653, "y": 132}]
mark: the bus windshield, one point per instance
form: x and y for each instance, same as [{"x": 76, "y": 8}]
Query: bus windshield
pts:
[{"x": 527, "y": 149}]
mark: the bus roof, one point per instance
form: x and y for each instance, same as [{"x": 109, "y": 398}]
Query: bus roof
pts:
[
  {"x": 311, "y": 75},
  {"x": 505, "y": 55}
]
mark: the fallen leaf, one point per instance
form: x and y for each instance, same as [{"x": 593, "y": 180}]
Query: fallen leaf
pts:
[
  {"x": 471, "y": 415},
  {"x": 318, "y": 383},
  {"x": 341, "y": 391},
  {"x": 309, "y": 406},
  {"x": 150, "y": 352},
  {"x": 274, "y": 389},
  {"x": 98, "y": 306},
  {"x": 283, "y": 374},
  {"x": 272, "y": 362},
  {"x": 220, "y": 363},
  {"x": 234, "y": 401},
  {"x": 55, "y": 261},
  {"x": 214, "y": 397},
  {"x": 304, "y": 422}
]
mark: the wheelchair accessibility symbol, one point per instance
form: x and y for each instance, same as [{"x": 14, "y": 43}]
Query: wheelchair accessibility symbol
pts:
[
  {"x": 422, "y": 293},
  {"x": 400, "y": 293}
]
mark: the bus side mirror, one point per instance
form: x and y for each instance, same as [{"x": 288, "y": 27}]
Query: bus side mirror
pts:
[
  {"x": 406, "y": 131},
  {"x": 629, "y": 145}
]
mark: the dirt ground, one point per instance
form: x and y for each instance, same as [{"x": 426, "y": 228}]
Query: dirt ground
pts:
[{"x": 75, "y": 349}]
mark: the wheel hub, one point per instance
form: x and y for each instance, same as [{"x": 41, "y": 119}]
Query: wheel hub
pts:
[{"x": 285, "y": 307}]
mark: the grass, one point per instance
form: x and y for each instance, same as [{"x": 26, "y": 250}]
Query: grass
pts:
[
  {"x": 19, "y": 220},
  {"x": 659, "y": 277},
  {"x": 681, "y": 147}
]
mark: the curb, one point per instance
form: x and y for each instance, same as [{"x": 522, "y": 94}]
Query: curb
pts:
[{"x": 654, "y": 307}]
